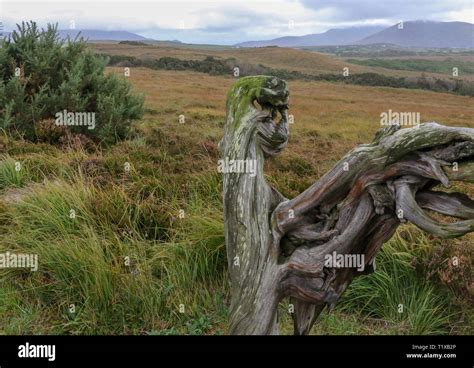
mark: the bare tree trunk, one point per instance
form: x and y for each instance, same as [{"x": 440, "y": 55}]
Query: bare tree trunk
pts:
[{"x": 280, "y": 248}]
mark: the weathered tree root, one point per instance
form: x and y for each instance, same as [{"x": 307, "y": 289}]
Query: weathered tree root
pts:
[{"x": 278, "y": 248}]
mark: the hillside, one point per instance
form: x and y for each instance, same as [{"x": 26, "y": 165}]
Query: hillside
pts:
[
  {"x": 426, "y": 34},
  {"x": 275, "y": 57},
  {"x": 304, "y": 61},
  {"x": 331, "y": 37}
]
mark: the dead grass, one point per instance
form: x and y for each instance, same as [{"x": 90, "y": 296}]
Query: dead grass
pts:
[
  {"x": 305, "y": 61},
  {"x": 330, "y": 118}
]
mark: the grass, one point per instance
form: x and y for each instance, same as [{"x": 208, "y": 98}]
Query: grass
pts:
[
  {"x": 11, "y": 172},
  {"x": 375, "y": 50},
  {"x": 396, "y": 293},
  {"x": 420, "y": 65},
  {"x": 304, "y": 61},
  {"x": 101, "y": 261},
  {"x": 278, "y": 58},
  {"x": 144, "y": 253},
  {"x": 225, "y": 67}
]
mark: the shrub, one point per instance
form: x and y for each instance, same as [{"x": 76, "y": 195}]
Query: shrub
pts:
[
  {"x": 133, "y": 43},
  {"x": 42, "y": 75},
  {"x": 47, "y": 131}
]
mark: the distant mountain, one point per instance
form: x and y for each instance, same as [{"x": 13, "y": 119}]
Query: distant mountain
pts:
[
  {"x": 426, "y": 34},
  {"x": 343, "y": 36},
  {"x": 97, "y": 35}
]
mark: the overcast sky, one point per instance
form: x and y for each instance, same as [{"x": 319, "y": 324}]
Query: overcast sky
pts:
[{"x": 229, "y": 21}]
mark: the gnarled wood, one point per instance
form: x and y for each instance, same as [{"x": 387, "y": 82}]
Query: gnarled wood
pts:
[{"x": 278, "y": 247}]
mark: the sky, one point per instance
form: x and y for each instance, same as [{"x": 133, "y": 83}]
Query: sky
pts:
[{"x": 229, "y": 21}]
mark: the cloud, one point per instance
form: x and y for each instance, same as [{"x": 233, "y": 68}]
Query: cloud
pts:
[
  {"x": 393, "y": 10},
  {"x": 230, "y": 21}
]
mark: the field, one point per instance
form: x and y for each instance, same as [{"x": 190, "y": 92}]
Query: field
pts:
[
  {"x": 144, "y": 253},
  {"x": 421, "y": 65},
  {"x": 304, "y": 61}
]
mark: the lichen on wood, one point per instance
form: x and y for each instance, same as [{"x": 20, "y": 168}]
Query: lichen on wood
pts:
[{"x": 277, "y": 247}]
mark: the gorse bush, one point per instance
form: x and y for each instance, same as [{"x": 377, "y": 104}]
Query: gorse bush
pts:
[{"x": 42, "y": 75}]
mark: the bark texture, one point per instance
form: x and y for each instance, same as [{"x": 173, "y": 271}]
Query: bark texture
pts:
[{"x": 278, "y": 247}]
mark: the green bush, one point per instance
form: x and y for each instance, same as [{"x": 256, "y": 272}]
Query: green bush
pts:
[{"x": 42, "y": 75}]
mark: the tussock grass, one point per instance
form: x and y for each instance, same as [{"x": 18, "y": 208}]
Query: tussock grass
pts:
[
  {"x": 11, "y": 173},
  {"x": 126, "y": 263},
  {"x": 398, "y": 293}
]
